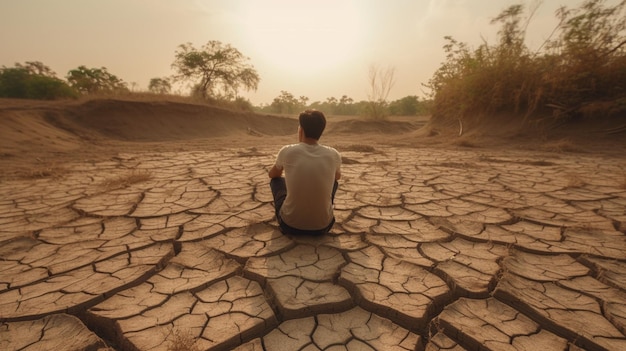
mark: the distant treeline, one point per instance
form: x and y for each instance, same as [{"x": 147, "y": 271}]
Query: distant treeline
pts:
[
  {"x": 287, "y": 103},
  {"x": 215, "y": 73},
  {"x": 35, "y": 80}
]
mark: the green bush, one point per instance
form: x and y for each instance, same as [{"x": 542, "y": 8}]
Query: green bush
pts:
[
  {"x": 19, "y": 82},
  {"x": 584, "y": 64},
  {"x": 48, "y": 88},
  {"x": 95, "y": 81},
  {"x": 409, "y": 106}
]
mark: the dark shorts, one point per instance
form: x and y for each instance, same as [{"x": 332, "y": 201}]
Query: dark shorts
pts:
[{"x": 279, "y": 191}]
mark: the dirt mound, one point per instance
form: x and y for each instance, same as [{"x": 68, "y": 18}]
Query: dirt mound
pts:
[
  {"x": 44, "y": 135},
  {"x": 26, "y": 125},
  {"x": 597, "y": 132},
  {"x": 165, "y": 121},
  {"x": 360, "y": 126},
  {"x": 22, "y": 130}
]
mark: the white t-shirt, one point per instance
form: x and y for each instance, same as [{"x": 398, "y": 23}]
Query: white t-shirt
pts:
[{"x": 309, "y": 175}]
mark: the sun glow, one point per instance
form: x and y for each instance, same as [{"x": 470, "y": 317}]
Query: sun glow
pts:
[{"x": 303, "y": 38}]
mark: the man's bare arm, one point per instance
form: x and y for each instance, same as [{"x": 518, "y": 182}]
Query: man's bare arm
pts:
[
  {"x": 338, "y": 174},
  {"x": 275, "y": 172}
]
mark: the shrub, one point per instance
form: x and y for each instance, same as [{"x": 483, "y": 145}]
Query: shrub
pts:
[
  {"x": 243, "y": 104},
  {"x": 19, "y": 82},
  {"x": 48, "y": 88},
  {"x": 95, "y": 81},
  {"x": 585, "y": 63},
  {"x": 160, "y": 86},
  {"x": 409, "y": 106}
]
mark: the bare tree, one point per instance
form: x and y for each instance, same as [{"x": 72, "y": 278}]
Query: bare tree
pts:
[{"x": 380, "y": 82}]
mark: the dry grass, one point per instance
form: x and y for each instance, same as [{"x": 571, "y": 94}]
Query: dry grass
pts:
[
  {"x": 182, "y": 341},
  {"x": 144, "y": 96},
  {"x": 44, "y": 170},
  {"x": 126, "y": 180}
]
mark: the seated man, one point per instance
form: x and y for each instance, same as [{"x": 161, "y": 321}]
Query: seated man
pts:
[{"x": 304, "y": 198}]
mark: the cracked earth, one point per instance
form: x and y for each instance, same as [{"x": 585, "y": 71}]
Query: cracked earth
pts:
[{"x": 433, "y": 249}]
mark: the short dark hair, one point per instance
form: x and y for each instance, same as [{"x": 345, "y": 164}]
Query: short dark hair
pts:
[{"x": 313, "y": 123}]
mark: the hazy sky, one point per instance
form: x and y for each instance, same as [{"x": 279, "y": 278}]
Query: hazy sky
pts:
[{"x": 318, "y": 49}]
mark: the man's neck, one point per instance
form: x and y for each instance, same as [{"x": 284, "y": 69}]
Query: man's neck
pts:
[{"x": 310, "y": 141}]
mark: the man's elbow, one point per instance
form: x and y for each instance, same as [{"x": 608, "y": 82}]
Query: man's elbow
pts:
[
  {"x": 274, "y": 172},
  {"x": 337, "y": 175}
]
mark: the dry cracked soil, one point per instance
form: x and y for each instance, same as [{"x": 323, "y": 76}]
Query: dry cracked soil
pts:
[{"x": 434, "y": 248}]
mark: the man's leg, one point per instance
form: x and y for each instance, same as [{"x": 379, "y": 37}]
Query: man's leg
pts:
[
  {"x": 332, "y": 200},
  {"x": 279, "y": 191}
]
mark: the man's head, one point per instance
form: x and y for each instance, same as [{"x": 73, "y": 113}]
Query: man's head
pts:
[{"x": 312, "y": 123}]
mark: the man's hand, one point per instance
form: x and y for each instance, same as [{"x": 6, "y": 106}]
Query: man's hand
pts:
[{"x": 275, "y": 172}]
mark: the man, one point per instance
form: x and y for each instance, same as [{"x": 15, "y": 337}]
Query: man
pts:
[{"x": 303, "y": 198}]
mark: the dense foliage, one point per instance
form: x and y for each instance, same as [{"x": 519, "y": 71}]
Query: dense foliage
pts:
[
  {"x": 33, "y": 80},
  {"x": 95, "y": 80},
  {"x": 584, "y": 65},
  {"x": 160, "y": 86},
  {"x": 217, "y": 70},
  {"x": 409, "y": 106}
]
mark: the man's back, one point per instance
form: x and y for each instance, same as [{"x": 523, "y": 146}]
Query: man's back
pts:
[{"x": 309, "y": 175}]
